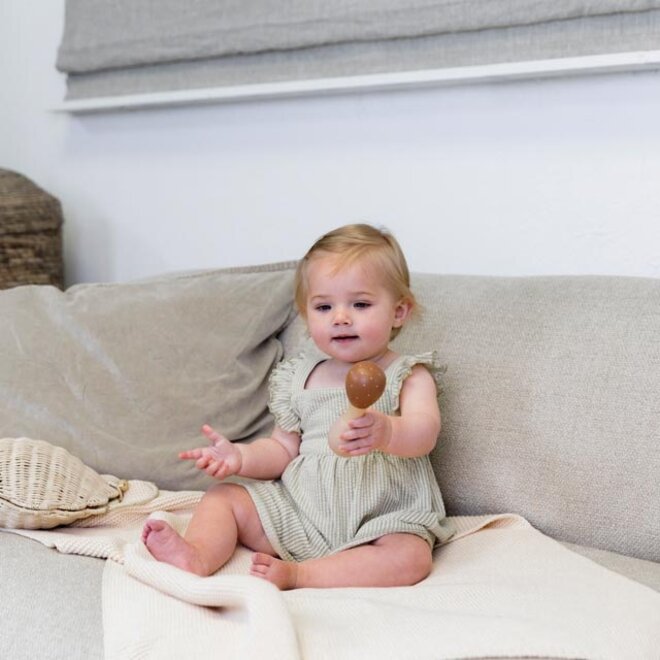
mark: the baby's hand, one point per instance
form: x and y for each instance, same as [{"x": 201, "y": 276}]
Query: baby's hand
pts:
[
  {"x": 372, "y": 430},
  {"x": 220, "y": 460}
]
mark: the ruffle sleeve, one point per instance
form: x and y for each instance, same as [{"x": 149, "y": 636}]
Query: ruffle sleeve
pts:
[
  {"x": 280, "y": 387},
  {"x": 405, "y": 366}
]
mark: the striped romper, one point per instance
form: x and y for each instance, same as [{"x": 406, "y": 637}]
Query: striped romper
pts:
[{"x": 324, "y": 503}]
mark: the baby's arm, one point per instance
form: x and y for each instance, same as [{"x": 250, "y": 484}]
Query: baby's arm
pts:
[
  {"x": 265, "y": 458},
  {"x": 413, "y": 433}
]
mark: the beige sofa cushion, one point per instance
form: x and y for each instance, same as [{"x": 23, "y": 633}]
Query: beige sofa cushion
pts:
[
  {"x": 642, "y": 571},
  {"x": 51, "y": 602},
  {"x": 124, "y": 375},
  {"x": 551, "y": 402}
]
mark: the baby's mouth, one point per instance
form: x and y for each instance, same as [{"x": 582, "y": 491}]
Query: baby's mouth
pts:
[{"x": 344, "y": 339}]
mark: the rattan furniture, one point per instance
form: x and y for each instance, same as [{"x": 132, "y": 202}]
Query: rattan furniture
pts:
[{"x": 30, "y": 233}]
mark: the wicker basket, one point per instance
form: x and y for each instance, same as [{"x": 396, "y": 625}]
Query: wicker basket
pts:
[
  {"x": 43, "y": 486},
  {"x": 30, "y": 233}
]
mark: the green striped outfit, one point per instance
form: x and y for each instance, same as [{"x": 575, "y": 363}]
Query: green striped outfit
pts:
[{"x": 325, "y": 503}]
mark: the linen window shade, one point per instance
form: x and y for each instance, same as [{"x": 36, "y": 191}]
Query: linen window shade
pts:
[{"x": 118, "y": 47}]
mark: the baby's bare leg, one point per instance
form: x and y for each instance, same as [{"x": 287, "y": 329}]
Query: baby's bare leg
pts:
[
  {"x": 225, "y": 516},
  {"x": 394, "y": 560}
]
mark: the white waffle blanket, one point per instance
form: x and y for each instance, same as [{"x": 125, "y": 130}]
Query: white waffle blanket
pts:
[{"x": 499, "y": 589}]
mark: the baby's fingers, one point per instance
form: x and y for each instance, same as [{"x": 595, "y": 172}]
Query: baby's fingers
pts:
[
  {"x": 355, "y": 449},
  {"x": 217, "y": 469},
  {"x": 204, "y": 462},
  {"x": 191, "y": 454},
  {"x": 362, "y": 422},
  {"x": 355, "y": 434},
  {"x": 212, "y": 434}
]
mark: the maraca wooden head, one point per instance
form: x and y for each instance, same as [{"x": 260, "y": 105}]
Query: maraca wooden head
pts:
[{"x": 365, "y": 383}]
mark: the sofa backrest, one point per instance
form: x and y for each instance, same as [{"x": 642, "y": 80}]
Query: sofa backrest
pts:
[
  {"x": 551, "y": 401},
  {"x": 551, "y": 404}
]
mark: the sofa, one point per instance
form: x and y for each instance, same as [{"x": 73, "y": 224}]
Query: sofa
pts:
[{"x": 550, "y": 406}]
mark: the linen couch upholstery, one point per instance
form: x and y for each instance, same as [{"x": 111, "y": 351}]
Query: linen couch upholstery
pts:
[{"x": 549, "y": 405}]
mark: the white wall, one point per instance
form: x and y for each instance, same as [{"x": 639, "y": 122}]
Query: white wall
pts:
[{"x": 517, "y": 178}]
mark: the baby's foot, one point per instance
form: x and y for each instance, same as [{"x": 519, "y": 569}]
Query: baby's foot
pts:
[
  {"x": 166, "y": 545},
  {"x": 283, "y": 574}
]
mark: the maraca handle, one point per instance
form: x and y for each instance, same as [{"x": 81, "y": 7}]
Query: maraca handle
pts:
[
  {"x": 352, "y": 412},
  {"x": 333, "y": 438}
]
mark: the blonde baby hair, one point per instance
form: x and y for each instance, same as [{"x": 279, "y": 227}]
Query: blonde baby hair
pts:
[{"x": 355, "y": 242}]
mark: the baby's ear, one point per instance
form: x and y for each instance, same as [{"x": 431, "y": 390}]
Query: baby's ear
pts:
[{"x": 402, "y": 311}]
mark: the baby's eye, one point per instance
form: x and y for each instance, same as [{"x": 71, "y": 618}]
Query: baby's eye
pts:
[
  {"x": 362, "y": 305},
  {"x": 322, "y": 308}
]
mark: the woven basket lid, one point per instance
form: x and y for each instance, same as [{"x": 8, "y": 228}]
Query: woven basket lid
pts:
[
  {"x": 42, "y": 486},
  {"x": 24, "y": 207}
]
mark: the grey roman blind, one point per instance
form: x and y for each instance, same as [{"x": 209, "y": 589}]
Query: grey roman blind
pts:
[{"x": 116, "y": 47}]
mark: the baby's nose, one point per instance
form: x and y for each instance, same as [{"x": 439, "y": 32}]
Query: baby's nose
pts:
[{"x": 341, "y": 317}]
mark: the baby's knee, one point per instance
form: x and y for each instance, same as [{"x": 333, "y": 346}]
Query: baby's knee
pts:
[
  {"x": 420, "y": 561},
  {"x": 412, "y": 557},
  {"x": 224, "y": 491},
  {"x": 233, "y": 497}
]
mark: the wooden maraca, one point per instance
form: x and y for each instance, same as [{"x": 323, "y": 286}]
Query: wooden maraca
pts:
[{"x": 365, "y": 383}]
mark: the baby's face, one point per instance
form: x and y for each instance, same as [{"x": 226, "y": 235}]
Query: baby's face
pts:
[{"x": 350, "y": 313}]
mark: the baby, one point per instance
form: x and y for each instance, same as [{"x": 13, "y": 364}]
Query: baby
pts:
[{"x": 369, "y": 516}]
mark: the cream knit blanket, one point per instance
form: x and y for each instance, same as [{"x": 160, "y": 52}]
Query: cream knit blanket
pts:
[{"x": 499, "y": 589}]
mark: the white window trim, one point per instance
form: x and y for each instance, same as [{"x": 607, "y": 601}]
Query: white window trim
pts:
[{"x": 533, "y": 69}]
